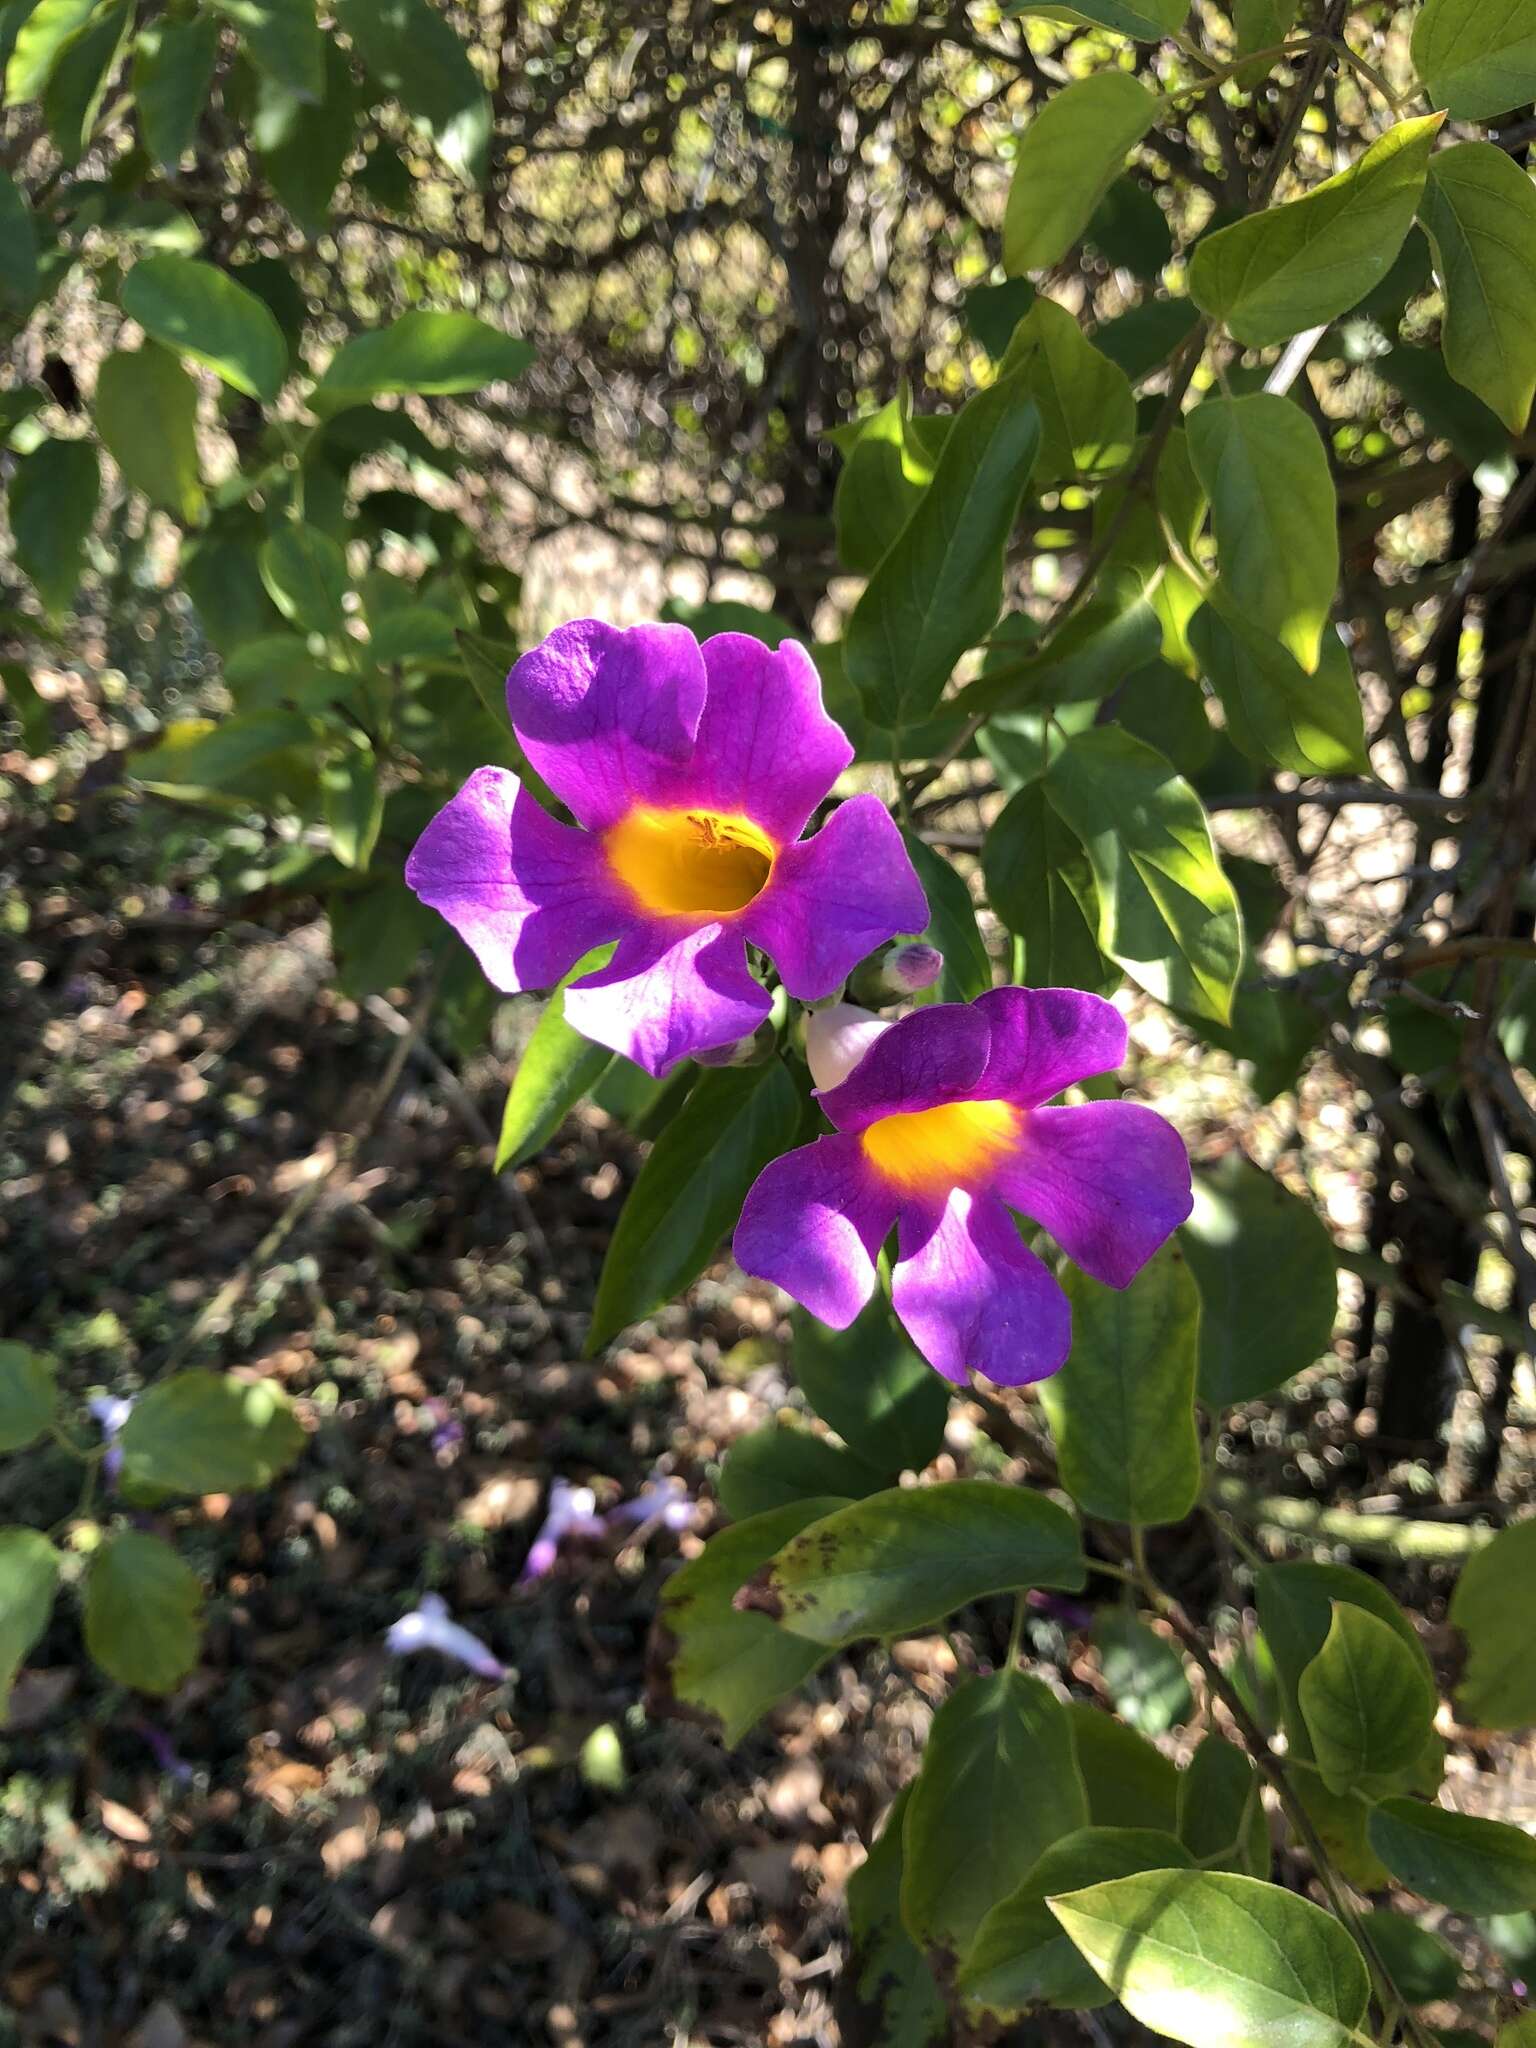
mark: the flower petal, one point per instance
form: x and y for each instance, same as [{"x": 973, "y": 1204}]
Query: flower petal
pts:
[
  {"x": 933, "y": 1056},
  {"x": 835, "y": 897},
  {"x": 813, "y": 1223},
  {"x": 765, "y": 746},
  {"x": 1044, "y": 1039},
  {"x": 663, "y": 995},
  {"x": 607, "y": 714},
  {"x": 1108, "y": 1180},
  {"x": 527, "y": 895},
  {"x": 973, "y": 1296}
]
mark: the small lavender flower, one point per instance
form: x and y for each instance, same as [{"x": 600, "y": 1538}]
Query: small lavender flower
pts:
[
  {"x": 162, "y": 1749},
  {"x": 111, "y": 1412},
  {"x": 661, "y": 1501},
  {"x": 447, "y": 1430},
  {"x": 572, "y": 1511},
  {"x": 428, "y": 1627},
  {"x": 1070, "y": 1613}
]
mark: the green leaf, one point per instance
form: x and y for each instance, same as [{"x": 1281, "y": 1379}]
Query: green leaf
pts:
[
  {"x": 1144, "y": 1673},
  {"x": 203, "y": 313},
  {"x": 53, "y": 498},
  {"x": 1068, "y": 156},
  {"x": 1167, "y": 913},
  {"x": 783, "y": 1462},
  {"x": 40, "y": 42},
  {"x": 143, "y": 1612},
  {"x": 1421, "y": 1967},
  {"x": 875, "y": 494},
  {"x": 18, "y": 249},
  {"x": 1261, "y": 25},
  {"x": 1264, "y": 468},
  {"x": 410, "y": 49},
  {"x": 906, "y": 1558},
  {"x": 429, "y": 353},
  {"x": 1491, "y": 1605},
  {"x": 232, "y": 608},
  {"x": 885, "y": 1401},
  {"x": 1276, "y": 712},
  {"x": 1144, "y": 337},
  {"x": 1148, "y": 24},
  {"x": 1300, "y": 265},
  {"x": 353, "y": 803},
  {"x": 690, "y": 1190},
  {"x": 304, "y": 146},
  {"x": 1021, "y": 1956},
  {"x": 1087, "y": 413},
  {"x": 26, "y": 1396},
  {"x": 1130, "y": 1784},
  {"x": 891, "y": 1991},
  {"x": 1115, "y": 634},
  {"x": 939, "y": 588},
  {"x": 205, "y": 1432},
  {"x": 378, "y": 934},
  {"x": 146, "y": 415},
  {"x": 1339, "y": 1821},
  {"x": 1368, "y": 1702},
  {"x": 1222, "y": 1821},
  {"x": 1479, "y": 212},
  {"x": 557, "y": 1069},
  {"x": 231, "y": 756},
  {"x": 992, "y": 311},
  {"x": 22, "y": 704},
  {"x": 952, "y": 927},
  {"x": 305, "y": 574},
  {"x": 1040, "y": 884},
  {"x": 413, "y": 632},
  {"x": 999, "y": 1785},
  {"x": 80, "y": 80},
  {"x": 1478, "y": 57},
  {"x": 1447, "y": 410},
  {"x": 283, "y": 39},
  {"x": 1221, "y": 1961},
  {"x": 1295, "y": 1604},
  {"x": 1123, "y": 1412},
  {"x": 717, "y": 1659},
  {"x": 1269, "y": 1293},
  {"x": 1130, "y": 230},
  {"x": 1471, "y": 1865},
  {"x": 173, "y": 66},
  {"x": 29, "y": 1572}
]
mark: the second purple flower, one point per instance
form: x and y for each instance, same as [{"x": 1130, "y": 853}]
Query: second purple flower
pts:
[{"x": 691, "y": 772}]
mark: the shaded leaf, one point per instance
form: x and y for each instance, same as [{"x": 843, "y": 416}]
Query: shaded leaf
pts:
[
  {"x": 143, "y": 1612},
  {"x": 305, "y": 573},
  {"x": 690, "y": 1190},
  {"x": 26, "y": 1396},
  {"x": 1368, "y": 1702},
  {"x": 887, "y": 1991},
  {"x": 1129, "y": 1783},
  {"x": 53, "y": 498},
  {"x": 1123, "y": 1412},
  {"x": 884, "y": 1400},
  {"x": 1478, "y": 57},
  {"x": 1087, "y": 413},
  {"x": 1276, "y": 712},
  {"x": 718, "y": 1660},
  {"x": 1264, "y": 1263},
  {"x": 415, "y": 55},
  {"x": 783, "y": 1462},
  {"x": 146, "y": 415},
  {"x": 1421, "y": 1967},
  {"x": 999, "y": 1784},
  {"x": 1472, "y": 1865},
  {"x": 1040, "y": 884},
  {"x": 173, "y": 66},
  {"x": 1491, "y": 1605},
  {"x": 1222, "y": 1820},
  {"x": 283, "y": 39},
  {"x": 1144, "y": 1673},
  {"x": 429, "y": 353},
  {"x": 952, "y": 926},
  {"x": 29, "y": 1573},
  {"x": 558, "y": 1067},
  {"x": 1479, "y": 212}
]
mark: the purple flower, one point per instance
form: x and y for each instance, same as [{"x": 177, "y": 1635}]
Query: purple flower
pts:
[
  {"x": 572, "y": 1511},
  {"x": 429, "y": 1627},
  {"x": 940, "y": 1131},
  {"x": 691, "y": 772},
  {"x": 162, "y": 1749},
  {"x": 661, "y": 1502},
  {"x": 111, "y": 1412}
]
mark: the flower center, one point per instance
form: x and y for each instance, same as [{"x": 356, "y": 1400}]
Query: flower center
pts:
[
  {"x": 690, "y": 863},
  {"x": 929, "y": 1151}
]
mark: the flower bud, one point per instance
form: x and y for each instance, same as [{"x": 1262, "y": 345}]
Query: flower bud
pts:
[
  {"x": 837, "y": 1039},
  {"x": 742, "y": 1052},
  {"x": 897, "y": 971}
]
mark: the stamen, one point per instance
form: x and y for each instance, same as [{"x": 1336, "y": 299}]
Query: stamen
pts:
[{"x": 703, "y": 864}]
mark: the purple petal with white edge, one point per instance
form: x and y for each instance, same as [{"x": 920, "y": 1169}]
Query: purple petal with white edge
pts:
[
  {"x": 934, "y": 1056},
  {"x": 1044, "y": 1039},
  {"x": 813, "y": 1223},
  {"x": 526, "y": 895},
  {"x": 665, "y": 995},
  {"x": 833, "y": 898},
  {"x": 973, "y": 1297},
  {"x": 607, "y": 715},
  {"x": 1108, "y": 1180},
  {"x": 765, "y": 746}
]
